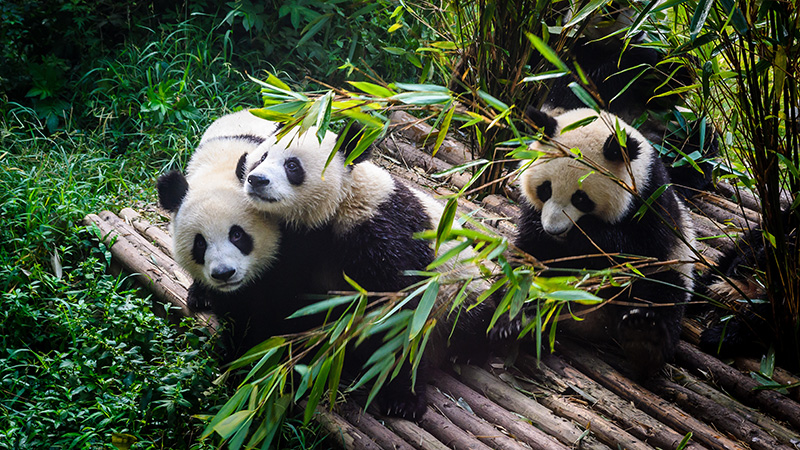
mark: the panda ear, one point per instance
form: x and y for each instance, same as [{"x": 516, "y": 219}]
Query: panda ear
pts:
[
  {"x": 350, "y": 142},
  {"x": 612, "y": 150},
  {"x": 241, "y": 168},
  {"x": 172, "y": 188},
  {"x": 541, "y": 120}
]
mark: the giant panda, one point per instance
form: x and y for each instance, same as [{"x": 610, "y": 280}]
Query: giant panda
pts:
[
  {"x": 372, "y": 218},
  {"x": 230, "y": 249},
  {"x": 575, "y": 207}
]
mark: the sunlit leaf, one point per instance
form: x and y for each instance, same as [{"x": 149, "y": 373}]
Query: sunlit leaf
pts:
[
  {"x": 547, "y": 52},
  {"x": 423, "y": 309},
  {"x": 372, "y": 89},
  {"x": 586, "y": 11},
  {"x": 584, "y": 96}
]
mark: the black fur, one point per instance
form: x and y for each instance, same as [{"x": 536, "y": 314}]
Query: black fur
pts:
[
  {"x": 546, "y": 123},
  {"x": 172, "y": 188},
  {"x": 294, "y": 171},
  {"x": 350, "y": 142},
  {"x": 241, "y": 239},
  {"x": 648, "y": 334},
  {"x": 257, "y": 140},
  {"x": 613, "y": 151},
  {"x": 241, "y": 169}
]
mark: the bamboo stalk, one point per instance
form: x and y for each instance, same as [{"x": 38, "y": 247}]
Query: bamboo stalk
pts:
[
  {"x": 341, "y": 431},
  {"x": 413, "y": 434},
  {"x": 555, "y": 371},
  {"x": 644, "y": 399},
  {"x": 448, "y": 433},
  {"x": 368, "y": 425},
  {"x": 161, "y": 239},
  {"x": 420, "y": 132},
  {"x": 509, "y": 398},
  {"x": 491, "y": 412},
  {"x": 472, "y": 424},
  {"x": 739, "y": 385}
]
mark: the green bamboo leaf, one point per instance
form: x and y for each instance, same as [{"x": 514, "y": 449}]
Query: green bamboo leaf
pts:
[
  {"x": 275, "y": 116},
  {"x": 423, "y": 309},
  {"x": 238, "y": 439},
  {"x": 547, "y": 53},
  {"x": 445, "y": 45},
  {"x": 313, "y": 28},
  {"x": 237, "y": 400},
  {"x": 446, "y": 222},
  {"x": 586, "y": 11},
  {"x": 545, "y": 76},
  {"x": 394, "y": 51},
  {"x": 580, "y": 123},
  {"x": 582, "y": 297},
  {"x": 653, "y": 197},
  {"x": 443, "y": 129},
  {"x": 459, "y": 168},
  {"x": 324, "y": 116},
  {"x": 423, "y": 87},
  {"x": 323, "y": 305},
  {"x": 372, "y": 89},
  {"x": 316, "y": 390},
  {"x": 492, "y": 101},
  {"x": 448, "y": 255},
  {"x": 699, "y": 17},
  {"x": 634, "y": 28},
  {"x": 584, "y": 96},
  {"x": 335, "y": 375},
  {"x": 422, "y": 98},
  {"x": 368, "y": 137},
  {"x": 231, "y": 424},
  {"x": 679, "y": 90}
]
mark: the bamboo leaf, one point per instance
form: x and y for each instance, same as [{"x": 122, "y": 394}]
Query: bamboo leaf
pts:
[
  {"x": 581, "y": 123},
  {"x": 323, "y": 305},
  {"x": 446, "y": 222},
  {"x": 423, "y": 309},
  {"x": 459, "y": 168},
  {"x": 423, "y": 87},
  {"x": 582, "y": 297},
  {"x": 236, "y": 401},
  {"x": 313, "y": 28},
  {"x": 493, "y": 102},
  {"x": 372, "y": 89},
  {"x": 586, "y": 11},
  {"x": 422, "y": 98},
  {"x": 448, "y": 255},
  {"x": 653, "y": 197},
  {"x": 545, "y": 76},
  {"x": 634, "y": 28},
  {"x": 443, "y": 129},
  {"x": 584, "y": 96},
  {"x": 547, "y": 53},
  {"x": 316, "y": 390},
  {"x": 231, "y": 424},
  {"x": 699, "y": 17}
]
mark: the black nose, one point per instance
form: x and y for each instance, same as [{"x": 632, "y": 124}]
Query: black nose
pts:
[
  {"x": 258, "y": 180},
  {"x": 223, "y": 273}
]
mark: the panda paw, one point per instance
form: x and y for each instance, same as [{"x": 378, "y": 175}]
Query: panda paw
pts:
[
  {"x": 505, "y": 329},
  {"x": 645, "y": 340},
  {"x": 198, "y": 298},
  {"x": 398, "y": 402}
]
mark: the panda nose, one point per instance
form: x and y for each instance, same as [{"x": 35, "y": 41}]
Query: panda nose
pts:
[
  {"x": 258, "y": 180},
  {"x": 223, "y": 273}
]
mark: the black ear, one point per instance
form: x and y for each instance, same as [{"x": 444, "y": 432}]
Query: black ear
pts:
[
  {"x": 172, "y": 187},
  {"x": 542, "y": 120},
  {"x": 612, "y": 151},
  {"x": 240, "y": 167},
  {"x": 350, "y": 142}
]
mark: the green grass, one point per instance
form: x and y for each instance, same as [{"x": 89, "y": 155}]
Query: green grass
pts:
[{"x": 83, "y": 355}]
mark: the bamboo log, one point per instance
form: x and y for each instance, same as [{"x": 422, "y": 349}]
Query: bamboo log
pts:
[
  {"x": 507, "y": 397},
  {"x": 420, "y": 132},
  {"x": 721, "y": 215},
  {"x": 150, "y": 266},
  {"x": 605, "y": 430},
  {"x": 158, "y": 236},
  {"x": 644, "y": 399},
  {"x": 779, "y": 375},
  {"x": 716, "y": 414},
  {"x": 368, "y": 425},
  {"x": 448, "y": 433},
  {"x": 739, "y": 385},
  {"x": 735, "y": 208},
  {"x": 412, "y": 157},
  {"x": 413, "y": 434},
  {"x": 555, "y": 371},
  {"x": 772, "y": 427},
  {"x": 341, "y": 431},
  {"x": 471, "y": 423},
  {"x": 743, "y": 196},
  {"x": 491, "y": 412}
]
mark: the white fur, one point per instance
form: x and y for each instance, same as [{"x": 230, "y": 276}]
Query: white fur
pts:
[
  {"x": 214, "y": 202},
  {"x": 567, "y": 174}
]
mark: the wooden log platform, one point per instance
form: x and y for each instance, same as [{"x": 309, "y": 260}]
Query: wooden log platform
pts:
[{"x": 575, "y": 398}]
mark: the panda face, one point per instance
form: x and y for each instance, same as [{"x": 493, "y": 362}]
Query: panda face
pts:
[
  {"x": 286, "y": 179},
  {"x": 564, "y": 187},
  {"x": 222, "y": 242}
]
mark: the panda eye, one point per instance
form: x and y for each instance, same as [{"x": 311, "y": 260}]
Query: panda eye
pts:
[
  {"x": 291, "y": 165},
  {"x": 544, "y": 191},
  {"x": 264, "y": 157},
  {"x": 199, "y": 242},
  {"x": 199, "y": 249},
  {"x": 236, "y": 235},
  {"x": 582, "y": 201}
]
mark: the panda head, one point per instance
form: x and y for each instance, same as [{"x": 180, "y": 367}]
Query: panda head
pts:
[
  {"x": 286, "y": 179},
  {"x": 222, "y": 242},
  {"x": 568, "y": 181}
]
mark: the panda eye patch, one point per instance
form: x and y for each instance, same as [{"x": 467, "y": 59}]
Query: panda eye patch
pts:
[
  {"x": 294, "y": 171},
  {"x": 582, "y": 201},
  {"x": 199, "y": 249},
  {"x": 241, "y": 239},
  {"x": 544, "y": 191}
]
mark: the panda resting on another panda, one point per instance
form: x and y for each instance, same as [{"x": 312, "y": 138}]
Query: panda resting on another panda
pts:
[
  {"x": 572, "y": 210},
  {"x": 371, "y": 218}
]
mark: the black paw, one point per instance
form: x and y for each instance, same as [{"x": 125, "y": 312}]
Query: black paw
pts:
[
  {"x": 645, "y": 340},
  {"x": 397, "y": 402},
  {"x": 505, "y": 329},
  {"x": 198, "y": 298}
]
